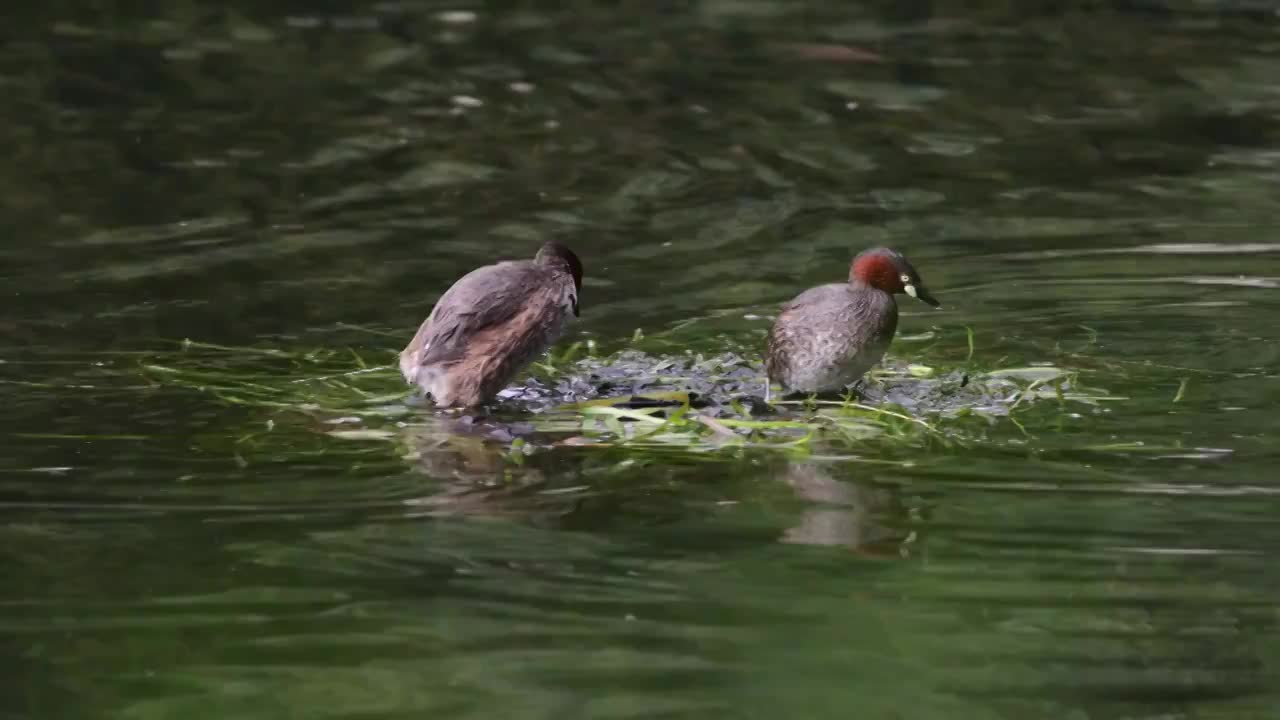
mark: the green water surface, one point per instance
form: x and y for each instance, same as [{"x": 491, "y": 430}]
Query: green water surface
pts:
[{"x": 1092, "y": 185}]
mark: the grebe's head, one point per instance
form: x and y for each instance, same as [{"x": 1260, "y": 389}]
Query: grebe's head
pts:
[
  {"x": 553, "y": 253},
  {"x": 889, "y": 270}
]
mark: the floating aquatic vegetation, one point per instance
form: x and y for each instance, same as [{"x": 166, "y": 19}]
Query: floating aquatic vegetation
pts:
[{"x": 627, "y": 399}]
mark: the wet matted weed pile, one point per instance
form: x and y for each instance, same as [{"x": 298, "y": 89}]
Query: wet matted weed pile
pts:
[{"x": 627, "y": 398}]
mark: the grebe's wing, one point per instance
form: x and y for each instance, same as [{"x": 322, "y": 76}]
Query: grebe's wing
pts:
[{"x": 481, "y": 299}]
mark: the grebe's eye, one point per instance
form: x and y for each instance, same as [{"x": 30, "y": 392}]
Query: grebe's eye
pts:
[{"x": 906, "y": 279}]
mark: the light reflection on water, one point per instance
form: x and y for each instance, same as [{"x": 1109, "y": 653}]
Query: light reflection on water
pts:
[{"x": 289, "y": 179}]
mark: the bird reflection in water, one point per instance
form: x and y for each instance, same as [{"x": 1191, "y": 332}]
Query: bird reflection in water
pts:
[
  {"x": 479, "y": 473},
  {"x": 861, "y": 516}
]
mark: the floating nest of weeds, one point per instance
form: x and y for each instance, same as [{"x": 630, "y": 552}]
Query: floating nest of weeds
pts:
[{"x": 630, "y": 398}]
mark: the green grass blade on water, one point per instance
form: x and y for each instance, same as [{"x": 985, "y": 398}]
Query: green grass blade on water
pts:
[{"x": 679, "y": 402}]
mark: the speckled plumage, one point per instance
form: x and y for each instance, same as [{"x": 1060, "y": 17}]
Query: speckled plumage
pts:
[
  {"x": 490, "y": 324},
  {"x": 829, "y": 336}
]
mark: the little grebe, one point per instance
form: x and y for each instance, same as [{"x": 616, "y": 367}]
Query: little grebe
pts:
[
  {"x": 490, "y": 324},
  {"x": 827, "y": 337}
]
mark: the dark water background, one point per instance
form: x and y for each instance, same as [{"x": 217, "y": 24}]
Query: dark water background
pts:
[{"x": 1089, "y": 184}]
